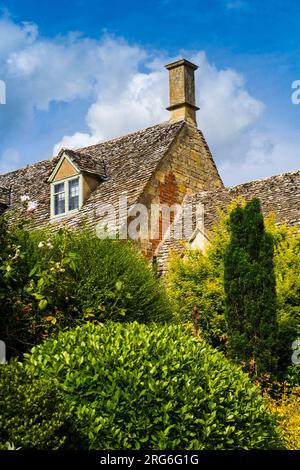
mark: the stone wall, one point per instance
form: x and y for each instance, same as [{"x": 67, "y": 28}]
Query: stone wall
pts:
[{"x": 187, "y": 169}]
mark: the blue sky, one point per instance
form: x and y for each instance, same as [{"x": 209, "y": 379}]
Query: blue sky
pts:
[{"x": 78, "y": 72}]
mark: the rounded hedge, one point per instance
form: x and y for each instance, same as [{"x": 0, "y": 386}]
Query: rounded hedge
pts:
[{"x": 131, "y": 386}]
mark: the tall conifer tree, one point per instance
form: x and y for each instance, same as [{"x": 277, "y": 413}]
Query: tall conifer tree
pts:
[{"x": 250, "y": 290}]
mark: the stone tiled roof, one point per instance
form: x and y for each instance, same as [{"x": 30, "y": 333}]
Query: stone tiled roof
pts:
[
  {"x": 129, "y": 163},
  {"x": 279, "y": 194},
  {"x": 4, "y": 196},
  {"x": 167, "y": 246},
  {"x": 4, "y": 199},
  {"x": 31, "y": 180},
  {"x": 86, "y": 162}
]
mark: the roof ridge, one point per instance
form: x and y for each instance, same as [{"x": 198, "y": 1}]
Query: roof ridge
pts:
[
  {"x": 29, "y": 165},
  {"x": 225, "y": 188},
  {"x": 79, "y": 150},
  {"x": 286, "y": 173},
  {"x": 162, "y": 124}
]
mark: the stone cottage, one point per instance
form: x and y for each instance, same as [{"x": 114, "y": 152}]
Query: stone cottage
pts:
[{"x": 166, "y": 164}]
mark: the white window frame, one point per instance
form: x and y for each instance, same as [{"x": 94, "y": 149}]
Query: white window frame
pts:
[{"x": 66, "y": 187}]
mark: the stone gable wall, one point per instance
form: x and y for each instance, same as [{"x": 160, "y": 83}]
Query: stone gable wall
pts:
[{"x": 187, "y": 168}]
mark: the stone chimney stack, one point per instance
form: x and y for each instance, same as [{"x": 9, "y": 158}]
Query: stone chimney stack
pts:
[{"x": 182, "y": 91}]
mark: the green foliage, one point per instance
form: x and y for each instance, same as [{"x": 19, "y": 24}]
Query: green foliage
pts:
[
  {"x": 197, "y": 279},
  {"x": 52, "y": 281},
  {"x": 31, "y": 413},
  {"x": 132, "y": 387},
  {"x": 287, "y": 269},
  {"x": 293, "y": 375},
  {"x": 113, "y": 281},
  {"x": 250, "y": 294},
  {"x": 286, "y": 410}
]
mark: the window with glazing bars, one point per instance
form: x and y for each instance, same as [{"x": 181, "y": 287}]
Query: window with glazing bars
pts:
[
  {"x": 59, "y": 199},
  {"x": 73, "y": 194}
]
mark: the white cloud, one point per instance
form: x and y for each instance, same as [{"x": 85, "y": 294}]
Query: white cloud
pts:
[
  {"x": 141, "y": 103},
  {"x": 141, "y": 100},
  {"x": 137, "y": 104},
  {"x": 14, "y": 37},
  {"x": 226, "y": 108},
  {"x": 125, "y": 88},
  {"x": 77, "y": 140},
  {"x": 63, "y": 68},
  {"x": 265, "y": 154},
  {"x": 228, "y": 114}
]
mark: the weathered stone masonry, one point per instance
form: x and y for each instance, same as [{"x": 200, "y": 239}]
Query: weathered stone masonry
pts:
[{"x": 187, "y": 169}]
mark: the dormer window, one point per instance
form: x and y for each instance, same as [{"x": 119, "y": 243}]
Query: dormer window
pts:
[
  {"x": 66, "y": 196},
  {"x": 72, "y": 181}
]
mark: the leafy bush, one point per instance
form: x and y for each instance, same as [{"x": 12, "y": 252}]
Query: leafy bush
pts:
[
  {"x": 52, "y": 281},
  {"x": 286, "y": 410},
  {"x": 130, "y": 387},
  {"x": 30, "y": 411},
  {"x": 197, "y": 279},
  {"x": 113, "y": 281},
  {"x": 194, "y": 280},
  {"x": 37, "y": 288},
  {"x": 293, "y": 376},
  {"x": 287, "y": 268}
]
